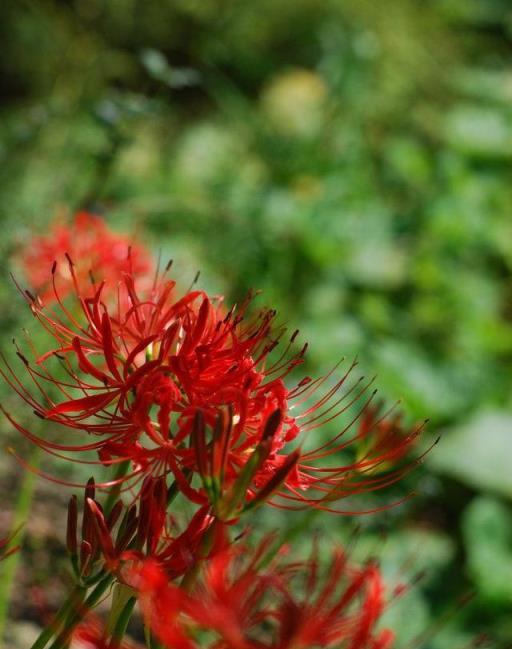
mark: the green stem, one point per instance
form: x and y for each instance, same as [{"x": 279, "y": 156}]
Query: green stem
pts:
[
  {"x": 121, "y": 470},
  {"x": 10, "y": 564},
  {"x": 76, "y": 614},
  {"x": 77, "y": 595},
  {"x": 122, "y": 624}
]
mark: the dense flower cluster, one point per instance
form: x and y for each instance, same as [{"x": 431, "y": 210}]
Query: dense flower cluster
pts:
[
  {"x": 284, "y": 606},
  {"x": 178, "y": 385},
  {"x": 189, "y": 402}
]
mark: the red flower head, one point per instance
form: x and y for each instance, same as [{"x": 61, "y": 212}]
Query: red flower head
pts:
[
  {"x": 97, "y": 254},
  {"x": 178, "y": 386},
  {"x": 250, "y": 608}
]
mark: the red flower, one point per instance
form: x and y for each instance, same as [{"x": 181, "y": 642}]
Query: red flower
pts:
[
  {"x": 172, "y": 355},
  {"x": 249, "y": 608},
  {"x": 136, "y": 374},
  {"x": 97, "y": 254},
  {"x": 344, "y": 612}
]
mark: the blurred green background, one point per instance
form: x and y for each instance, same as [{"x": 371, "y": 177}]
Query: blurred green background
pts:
[{"x": 352, "y": 159}]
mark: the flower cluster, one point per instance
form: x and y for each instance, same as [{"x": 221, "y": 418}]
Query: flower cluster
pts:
[
  {"x": 179, "y": 386},
  {"x": 183, "y": 398},
  {"x": 285, "y": 605}
]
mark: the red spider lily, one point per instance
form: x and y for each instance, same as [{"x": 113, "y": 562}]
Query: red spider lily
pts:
[
  {"x": 136, "y": 375},
  {"x": 344, "y": 611},
  {"x": 91, "y": 634},
  {"x": 173, "y": 355},
  {"x": 96, "y": 251},
  {"x": 250, "y": 608}
]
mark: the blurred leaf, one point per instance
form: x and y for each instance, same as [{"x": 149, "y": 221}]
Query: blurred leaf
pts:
[
  {"x": 484, "y": 83},
  {"x": 408, "y": 374},
  {"x": 478, "y": 452},
  {"x": 294, "y": 102},
  {"x": 378, "y": 264},
  {"x": 157, "y": 66},
  {"x": 474, "y": 11},
  {"x": 487, "y": 528},
  {"x": 408, "y": 617},
  {"x": 154, "y": 62},
  {"x": 479, "y": 132},
  {"x": 408, "y": 553}
]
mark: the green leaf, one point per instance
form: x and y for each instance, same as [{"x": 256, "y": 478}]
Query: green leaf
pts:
[
  {"x": 478, "y": 452},
  {"x": 406, "y": 372},
  {"x": 479, "y": 132},
  {"x": 407, "y": 553},
  {"x": 487, "y": 530},
  {"x": 408, "y": 617}
]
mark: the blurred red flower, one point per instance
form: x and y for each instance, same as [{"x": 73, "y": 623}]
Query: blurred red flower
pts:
[
  {"x": 246, "y": 607},
  {"x": 97, "y": 254}
]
